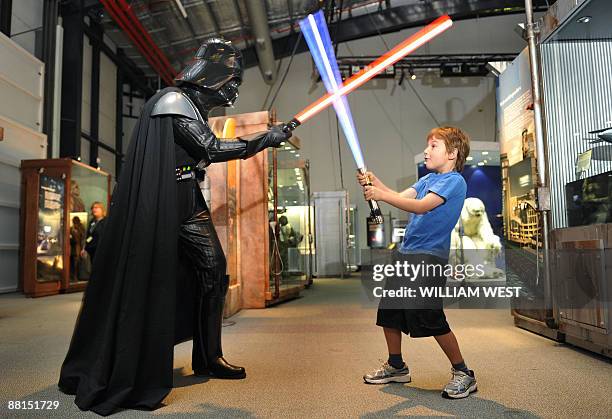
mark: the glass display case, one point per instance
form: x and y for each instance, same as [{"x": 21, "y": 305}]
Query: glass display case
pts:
[
  {"x": 291, "y": 217},
  {"x": 57, "y": 195}
]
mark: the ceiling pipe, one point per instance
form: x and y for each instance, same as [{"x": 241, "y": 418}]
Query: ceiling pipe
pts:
[
  {"x": 122, "y": 20},
  {"x": 118, "y": 16},
  {"x": 130, "y": 13},
  {"x": 136, "y": 32},
  {"x": 258, "y": 17}
]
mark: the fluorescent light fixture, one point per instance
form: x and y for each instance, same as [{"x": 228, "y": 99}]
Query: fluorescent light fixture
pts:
[
  {"x": 469, "y": 158},
  {"x": 484, "y": 153},
  {"x": 181, "y": 8},
  {"x": 584, "y": 19},
  {"x": 481, "y": 163}
]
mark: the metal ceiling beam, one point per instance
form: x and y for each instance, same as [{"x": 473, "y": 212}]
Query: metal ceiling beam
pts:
[
  {"x": 213, "y": 17},
  {"x": 395, "y": 19}
]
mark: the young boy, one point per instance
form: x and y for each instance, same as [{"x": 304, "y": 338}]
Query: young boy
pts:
[{"x": 436, "y": 200}]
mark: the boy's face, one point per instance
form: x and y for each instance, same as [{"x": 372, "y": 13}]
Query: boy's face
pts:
[{"x": 437, "y": 158}]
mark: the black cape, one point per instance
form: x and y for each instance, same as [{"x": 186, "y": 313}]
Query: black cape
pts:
[{"x": 121, "y": 353}]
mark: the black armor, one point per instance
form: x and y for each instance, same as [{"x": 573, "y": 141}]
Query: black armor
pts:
[
  {"x": 211, "y": 80},
  {"x": 159, "y": 276}
]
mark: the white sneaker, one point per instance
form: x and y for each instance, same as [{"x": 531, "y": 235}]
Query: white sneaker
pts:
[
  {"x": 460, "y": 385},
  {"x": 388, "y": 374}
]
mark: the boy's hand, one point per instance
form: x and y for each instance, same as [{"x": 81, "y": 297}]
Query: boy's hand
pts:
[
  {"x": 373, "y": 193},
  {"x": 363, "y": 179}
]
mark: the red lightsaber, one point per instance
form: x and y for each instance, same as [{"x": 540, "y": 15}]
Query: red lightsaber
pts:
[{"x": 397, "y": 53}]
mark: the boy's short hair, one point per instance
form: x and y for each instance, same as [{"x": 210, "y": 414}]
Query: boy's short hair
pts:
[{"x": 454, "y": 139}]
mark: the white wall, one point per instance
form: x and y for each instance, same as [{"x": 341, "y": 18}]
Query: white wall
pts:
[
  {"x": 108, "y": 113},
  {"x": 107, "y": 103},
  {"x": 21, "y": 81},
  {"x": 391, "y": 122},
  {"x": 27, "y": 15}
]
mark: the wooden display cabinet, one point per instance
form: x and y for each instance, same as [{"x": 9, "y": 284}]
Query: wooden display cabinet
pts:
[{"x": 53, "y": 193}]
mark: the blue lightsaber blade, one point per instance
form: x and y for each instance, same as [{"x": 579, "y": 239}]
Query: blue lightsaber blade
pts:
[{"x": 319, "y": 42}]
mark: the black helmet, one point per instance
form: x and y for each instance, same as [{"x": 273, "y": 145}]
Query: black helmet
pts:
[{"x": 216, "y": 62}]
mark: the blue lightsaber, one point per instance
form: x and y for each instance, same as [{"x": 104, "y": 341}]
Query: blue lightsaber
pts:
[{"x": 319, "y": 42}]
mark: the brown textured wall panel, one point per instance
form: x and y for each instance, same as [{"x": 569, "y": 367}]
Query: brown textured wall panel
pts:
[{"x": 239, "y": 209}]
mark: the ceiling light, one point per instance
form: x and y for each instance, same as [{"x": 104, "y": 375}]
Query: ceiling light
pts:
[
  {"x": 297, "y": 155},
  {"x": 181, "y": 8},
  {"x": 469, "y": 158},
  {"x": 292, "y": 151},
  {"x": 412, "y": 75},
  {"x": 584, "y": 19},
  {"x": 484, "y": 153},
  {"x": 480, "y": 163}
]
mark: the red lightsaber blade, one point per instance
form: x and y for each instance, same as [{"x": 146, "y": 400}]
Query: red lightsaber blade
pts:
[{"x": 397, "y": 53}]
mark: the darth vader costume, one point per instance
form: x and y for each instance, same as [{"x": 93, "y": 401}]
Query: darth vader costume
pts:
[{"x": 159, "y": 277}]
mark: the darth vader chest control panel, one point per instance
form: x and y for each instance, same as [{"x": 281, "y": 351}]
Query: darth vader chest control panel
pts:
[{"x": 185, "y": 172}]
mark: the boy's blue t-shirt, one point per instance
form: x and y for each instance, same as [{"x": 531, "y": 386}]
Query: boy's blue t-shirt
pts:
[{"x": 431, "y": 232}]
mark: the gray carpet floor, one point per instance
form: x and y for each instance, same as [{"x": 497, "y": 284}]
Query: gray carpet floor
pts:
[{"x": 305, "y": 358}]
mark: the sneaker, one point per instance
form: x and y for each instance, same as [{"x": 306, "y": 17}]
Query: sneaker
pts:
[
  {"x": 460, "y": 385},
  {"x": 387, "y": 374}
]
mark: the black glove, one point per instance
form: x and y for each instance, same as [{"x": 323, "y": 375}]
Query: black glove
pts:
[
  {"x": 276, "y": 136},
  {"x": 272, "y": 138}
]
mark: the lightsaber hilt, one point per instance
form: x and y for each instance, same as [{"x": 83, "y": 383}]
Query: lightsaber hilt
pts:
[
  {"x": 375, "y": 213},
  {"x": 291, "y": 125}
]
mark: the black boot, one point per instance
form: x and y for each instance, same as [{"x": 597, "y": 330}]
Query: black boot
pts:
[
  {"x": 207, "y": 356},
  {"x": 220, "y": 368}
]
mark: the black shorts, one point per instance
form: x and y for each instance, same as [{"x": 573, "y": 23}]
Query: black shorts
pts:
[{"x": 417, "y": 317}]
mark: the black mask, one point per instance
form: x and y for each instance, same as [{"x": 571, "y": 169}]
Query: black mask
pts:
[{"x": 216, "y": 70}]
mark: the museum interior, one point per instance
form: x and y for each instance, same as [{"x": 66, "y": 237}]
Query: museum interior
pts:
[{"x": 179, "y": 173}]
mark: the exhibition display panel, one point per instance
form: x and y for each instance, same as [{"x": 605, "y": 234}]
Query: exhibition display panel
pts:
[{"x": 577, "y": 88}]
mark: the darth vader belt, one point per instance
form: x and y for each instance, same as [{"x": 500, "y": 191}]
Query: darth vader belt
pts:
[{"x": 185, "y": 172}]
